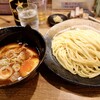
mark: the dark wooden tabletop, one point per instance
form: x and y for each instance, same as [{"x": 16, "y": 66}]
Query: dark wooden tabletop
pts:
[{"x": 45, "y": 85}]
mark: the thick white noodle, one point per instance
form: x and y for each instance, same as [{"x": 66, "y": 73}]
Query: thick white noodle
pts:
[{"x": 78, "y": 51}]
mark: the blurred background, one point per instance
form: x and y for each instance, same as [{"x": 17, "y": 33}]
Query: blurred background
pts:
[
  {"x": 93, "y": 5},
  {"x": 5, "y": 8}
]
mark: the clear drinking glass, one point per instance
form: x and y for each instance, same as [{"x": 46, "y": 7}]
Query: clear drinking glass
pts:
[
  {"x": 42, "y": 8},
  {"x": 42, "y": 11},
  {"x": 28, "y": 15}
]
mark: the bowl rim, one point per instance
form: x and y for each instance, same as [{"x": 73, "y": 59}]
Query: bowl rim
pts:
[{"x": 41, "y": 61}]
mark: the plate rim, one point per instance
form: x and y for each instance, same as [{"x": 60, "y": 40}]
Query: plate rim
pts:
[{"x": 45, "y": 36}]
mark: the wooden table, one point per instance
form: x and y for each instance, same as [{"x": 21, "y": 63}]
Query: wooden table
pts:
[{"x": 46, "y": 85}]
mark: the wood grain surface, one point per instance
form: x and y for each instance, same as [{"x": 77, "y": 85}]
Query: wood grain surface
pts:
[{"x": 45, "y": 85}]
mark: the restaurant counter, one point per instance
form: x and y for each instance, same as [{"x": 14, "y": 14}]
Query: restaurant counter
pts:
[{"x": 46, "y": 85}]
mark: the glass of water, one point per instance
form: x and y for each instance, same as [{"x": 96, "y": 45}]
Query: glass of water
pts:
[{"x": 28, "y": 15}]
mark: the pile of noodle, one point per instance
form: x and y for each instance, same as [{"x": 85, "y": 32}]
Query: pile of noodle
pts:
[{"x": 78, "y": 51}]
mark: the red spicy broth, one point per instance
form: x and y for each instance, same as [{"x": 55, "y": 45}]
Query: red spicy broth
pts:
[{"x": 16, "y": 62}]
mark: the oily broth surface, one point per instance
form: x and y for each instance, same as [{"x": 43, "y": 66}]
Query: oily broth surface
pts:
[{"x": 28, "y": 61}]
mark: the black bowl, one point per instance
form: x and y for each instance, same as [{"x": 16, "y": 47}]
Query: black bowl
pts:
[
  {"x": 24, "y": 35},
  {"x": 51, "y": 21}
]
